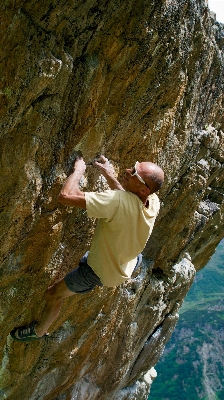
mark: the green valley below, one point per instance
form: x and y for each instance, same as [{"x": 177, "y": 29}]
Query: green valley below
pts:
[{"x": 192, "y": 366}]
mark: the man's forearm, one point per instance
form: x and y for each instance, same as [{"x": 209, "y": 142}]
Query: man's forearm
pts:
[
  {"x": 70, "y": 194},
  {"x": 71, "y": 186},
  {"x": 113, "y": 182}
]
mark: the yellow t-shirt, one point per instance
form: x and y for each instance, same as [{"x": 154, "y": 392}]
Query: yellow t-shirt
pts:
[{"x": 122, "y": 231}]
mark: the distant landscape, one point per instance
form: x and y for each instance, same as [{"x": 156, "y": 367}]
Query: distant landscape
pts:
[{"x": 192, "y": 366}]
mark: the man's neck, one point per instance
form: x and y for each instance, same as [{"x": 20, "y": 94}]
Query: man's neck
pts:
[
  {"x": 146, "y": 204},
  {"x": 144, "y": 200}
]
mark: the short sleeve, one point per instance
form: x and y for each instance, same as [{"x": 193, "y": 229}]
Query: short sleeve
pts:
[{"x": 102, "y": 205}]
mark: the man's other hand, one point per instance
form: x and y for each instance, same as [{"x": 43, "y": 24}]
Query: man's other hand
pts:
[{"x": 103, "y": 165}]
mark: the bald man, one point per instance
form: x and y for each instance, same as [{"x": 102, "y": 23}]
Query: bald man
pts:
[{"x": 126, "y": 215}]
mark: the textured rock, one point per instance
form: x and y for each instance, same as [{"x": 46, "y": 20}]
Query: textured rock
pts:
[{"x": 136, "y": 81}]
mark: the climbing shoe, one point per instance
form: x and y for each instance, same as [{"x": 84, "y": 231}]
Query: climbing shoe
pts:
[{"x": 25, "y": 333}]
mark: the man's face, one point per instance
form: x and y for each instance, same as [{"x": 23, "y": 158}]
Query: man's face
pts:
[
  {"x": 125, "y": 180},
  {"x": 144, "y": 178},
  {"x": 131, "y": 180}
]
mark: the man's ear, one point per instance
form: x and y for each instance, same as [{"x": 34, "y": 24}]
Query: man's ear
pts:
[{"x": 145, "y": 191}]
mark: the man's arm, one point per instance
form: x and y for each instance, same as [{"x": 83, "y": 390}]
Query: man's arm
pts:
[
  {"x": 107, "y": 171},
  {"x": 70, "y": 194}
]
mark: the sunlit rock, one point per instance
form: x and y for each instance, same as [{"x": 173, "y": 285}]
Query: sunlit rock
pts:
[{"x": 135, "y": 81}]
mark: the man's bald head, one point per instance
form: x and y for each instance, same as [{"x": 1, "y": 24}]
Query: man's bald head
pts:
[{"x": 152, "y": 174}]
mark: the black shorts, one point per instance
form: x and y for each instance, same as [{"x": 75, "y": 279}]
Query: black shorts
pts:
[{"x": 83, "y": 279}]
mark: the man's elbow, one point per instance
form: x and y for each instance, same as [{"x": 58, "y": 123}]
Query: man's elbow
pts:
[
  {"x": 72, "y": 200},
  {"x": 62, "y": 199}
]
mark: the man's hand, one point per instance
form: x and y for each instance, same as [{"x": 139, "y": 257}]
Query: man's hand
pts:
[
  {"x": 80, "y": 166},
  {"x": 107, "y": 170},
  {"x": 103, "y": 165}
]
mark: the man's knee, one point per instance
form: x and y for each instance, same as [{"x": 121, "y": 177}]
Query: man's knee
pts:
[
  {"x": 57, "y": 292},
  {"x": 53, "y": 293}
]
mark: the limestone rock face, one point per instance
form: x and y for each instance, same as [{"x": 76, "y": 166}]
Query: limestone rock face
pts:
[{"x": 137, "y": 80}]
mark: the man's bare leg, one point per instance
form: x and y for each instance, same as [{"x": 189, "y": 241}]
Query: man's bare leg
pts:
[{"x": 54, "y": 299}]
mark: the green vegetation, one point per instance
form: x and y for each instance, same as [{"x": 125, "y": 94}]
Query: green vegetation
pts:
[
  {"x": 8, "y": 92},
  {"x": 196, "y": 348},
  {"x": 208, "y": 285}
]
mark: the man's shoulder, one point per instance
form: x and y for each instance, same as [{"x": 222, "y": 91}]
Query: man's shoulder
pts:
[
  {"x": 114, "y": 196},
  {"x": 154, "y": 203},
  {"x": 154, "y": 197},
  {"x": 108, "y": 193},
  {"x": 104, "y": 197},
  {"x": 102, "y": 204},
  {"x": 126, "y": 195}
]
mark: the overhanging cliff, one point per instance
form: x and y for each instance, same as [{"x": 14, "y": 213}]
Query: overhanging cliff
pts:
[{"x": 137, "y": 80}]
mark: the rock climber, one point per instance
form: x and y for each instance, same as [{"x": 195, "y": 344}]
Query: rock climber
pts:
[{"x": 126, "y": 214}]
